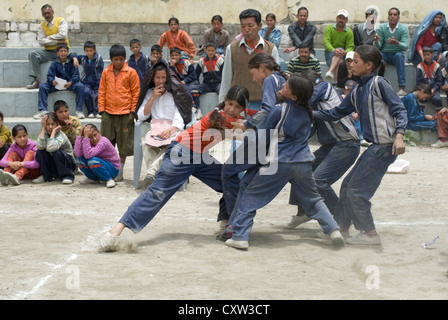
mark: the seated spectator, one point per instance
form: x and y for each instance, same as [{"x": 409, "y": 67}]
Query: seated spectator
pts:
[
  {"x": 301, "y": 32},
  {"x": 304, "y": 61},
  {"x": 70, "y": 125},
  {"x": 183, "y": 68},
  {"x": 428, "y": 71},
  {"x": 345, "y": 72},
  {"x": 176, "y": 37},
  {"x": 138, "y": 60},
  {"x": 216, "y": 35},
  {"x": 272, "y": 34},
  {"x": 444, "y": 43},
  {"x": 392, "y": 40},
  {"x": 157, "y": 103},
  {"x": 427, "y": 34},
  {"x": 156, "y": 56},
  {"x": 417, "y": 119},
  {"x": 364, "y": 33},
  {"x": 61, "y": 75},
  {"x": 211, "y": 69},
  {"x": 338, "y": 40}
]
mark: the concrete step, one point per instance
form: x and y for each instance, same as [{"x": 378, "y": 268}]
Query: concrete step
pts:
[{"x": 33, "y": 126}]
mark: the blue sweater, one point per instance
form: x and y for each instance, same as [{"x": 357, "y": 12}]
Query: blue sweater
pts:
[
  {"x": 381, "y": 112},
  {"x": 93, "y": 69},
  {"x": 64, "y": 71},
  {"x": 413, "y": 108},
  {"x": 141, "y": 66},
  {"x": 288, "y": 141}
]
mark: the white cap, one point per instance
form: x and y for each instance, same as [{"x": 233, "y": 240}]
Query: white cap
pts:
[
  {"x": 349, "y": 55},
  {"x": 343, "y": 12}
]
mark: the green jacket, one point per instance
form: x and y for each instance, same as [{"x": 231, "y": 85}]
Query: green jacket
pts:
[
  {"x": 334, "y": 39},
  {"x": 401, "y": 34}
]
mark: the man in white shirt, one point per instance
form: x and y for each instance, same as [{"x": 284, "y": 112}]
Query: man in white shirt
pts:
[{"x": 51, "y": 32}]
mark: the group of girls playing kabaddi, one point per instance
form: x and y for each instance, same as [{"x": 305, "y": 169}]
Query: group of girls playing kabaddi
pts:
[{"x": 291, "y": 109}]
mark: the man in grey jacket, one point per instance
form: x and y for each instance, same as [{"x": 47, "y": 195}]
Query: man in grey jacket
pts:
[{"x": 301, "y": 32}]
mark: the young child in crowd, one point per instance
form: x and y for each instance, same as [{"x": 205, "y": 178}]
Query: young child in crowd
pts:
[
  {"x": 96, "y": 157},
  {"x": 187, "y": 155},
  {"x": 19, "y": 162},
  {"x": 430, "y": 72},
  {"x": 63, "y": 68},
  {"x": 216, "y": 35},
  {"x": 116, "y": 103},
  {"x": 288, "y": 148},
  {"x": 54, "y": 152},
  {"x": 5, "y": 137},
  {"x": 385, "y": 132},
  {"x": 156, "y": 56},
  {"x": 138, "y": 60},
  {"x": 183, "y": 68},
  {"x": 70, "y": 125},
  {"x": 417, "y": 119},
  {"x": 93, "y": 66},
  {"x": 210, "y": 67}
]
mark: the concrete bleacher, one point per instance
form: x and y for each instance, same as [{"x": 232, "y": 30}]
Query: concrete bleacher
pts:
[{"x": 19, "y": 104}]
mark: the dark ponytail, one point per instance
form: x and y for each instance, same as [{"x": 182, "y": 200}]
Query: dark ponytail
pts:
[
  {"x": 303, "y": 89},
  {"x": 268, "y": 61},
  {"x": 369, "y": 53},
  {"x": 239, "y": 94}
]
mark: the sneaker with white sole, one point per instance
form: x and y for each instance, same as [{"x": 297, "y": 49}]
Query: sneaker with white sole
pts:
[
  {"x": 110, "y": 183},
  {"x": 3, "y": 179},
  {"x": 98, "y": 116},
  {"x": 40, "y": 179},
  {"x": 238, "y": 244},
  {"x": 109, "y": 243},
  {"x": 296, "y": 221},
  {"x": 329, "y": 76},
  {"x": 67, "y": 181},
  {"x": 337, "y": 238},
  {"x": 90, "y": 115},
  {"x": 440, "y": 144},
  {"x": 40, "y": 114},
  {"x": 401, "y": 92},
  {"x": 12, "y": 179},
  {"x": 363, "y": 239},
  {"x": 80, "y": 115}
]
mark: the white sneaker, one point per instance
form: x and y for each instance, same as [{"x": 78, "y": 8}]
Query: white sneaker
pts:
[
  {"x": 440, "y": 144},
  {"x": 109, "y": 243},
  {"x": 89, "y": 181},
  {"x": 237, "y": 244},
  {"x": 40, "y": 179},
  {"x": 110, "y": 183},
  {"x": 98, "y": 116},
  {"x": 80, "y": 115},
  {"x": 337, "y": 238},
  {"x": 296, "y": 221},
  {"x": 91, "y": 115},
  {"x": 12, "y": 179},
  {"x": 401, "y": 92},
  {"x": 67, "y": 181},
  {"x": 3, "y": 179},
  {"x": 329, "y": 76},
  {"x": 363, "y": 239},
  {"x": 199, "y": 114},
  {"x": 40, "y": 114}
]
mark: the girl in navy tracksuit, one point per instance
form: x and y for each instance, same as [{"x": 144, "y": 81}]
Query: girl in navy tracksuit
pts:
[
  {"x": 287, "y": 128},
  {"x": 383, "y": 122},
  {"x": 339, "y": 146}
]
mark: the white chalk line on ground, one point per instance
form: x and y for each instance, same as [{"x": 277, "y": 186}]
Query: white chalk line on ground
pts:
[{"x": 56, "y": 267}]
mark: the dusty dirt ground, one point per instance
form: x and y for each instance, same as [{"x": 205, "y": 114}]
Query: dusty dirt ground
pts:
[{"x": 50, "y": 235}]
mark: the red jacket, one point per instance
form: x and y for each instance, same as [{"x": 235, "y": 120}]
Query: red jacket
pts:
[{"x": 118, "y": 95}]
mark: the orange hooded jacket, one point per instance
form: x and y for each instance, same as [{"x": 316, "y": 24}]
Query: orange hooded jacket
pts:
[{"x": 118, "y": 95}]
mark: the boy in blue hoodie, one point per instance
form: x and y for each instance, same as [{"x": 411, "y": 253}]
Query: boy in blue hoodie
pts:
[
  {"x": 93, "y": 66},
  {"x": 63, "y": 68},
  {"x": 138, "y": 60}
]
